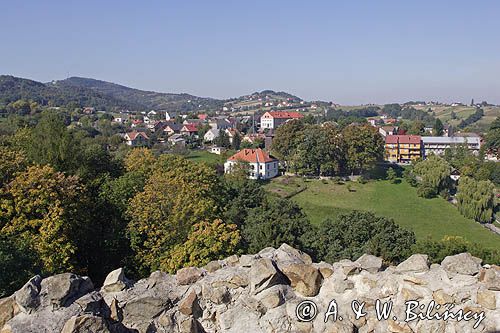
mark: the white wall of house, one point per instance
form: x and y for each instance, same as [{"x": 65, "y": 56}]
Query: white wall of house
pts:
[
  {"x": 257, "y": 170},
  {"x": 267, "y": 121}
]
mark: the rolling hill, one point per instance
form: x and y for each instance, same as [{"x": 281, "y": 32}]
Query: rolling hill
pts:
[{"x": 99, "y": 94}]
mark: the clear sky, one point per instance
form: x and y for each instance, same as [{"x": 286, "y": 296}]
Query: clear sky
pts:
[{"x": 348, "y": 52}]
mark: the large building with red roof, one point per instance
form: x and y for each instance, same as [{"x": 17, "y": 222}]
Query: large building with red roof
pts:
[
  {"x": 260, "y": 164},
  {"x": 403, "y": 148},
  {"x": 273, "y": 119}
]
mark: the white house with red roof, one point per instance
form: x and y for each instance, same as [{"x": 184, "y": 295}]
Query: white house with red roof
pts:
[
  {"x": 189, "y": 129},
  {"x": 135, "y": 139},
  {"x": 273, "y": 119},
  {"x": 260, "y": 164}
]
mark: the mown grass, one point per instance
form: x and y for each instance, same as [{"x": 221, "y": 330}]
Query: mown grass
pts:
[
  {"x": 205, "y": 156},
  {"x": 432, "y": 218}
]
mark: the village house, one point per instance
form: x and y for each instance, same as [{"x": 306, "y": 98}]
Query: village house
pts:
[
  {"x": 220, "y": 124},
  {"x": 217, "y": 150},
  {"x": 387, "y": 130},
  {"x": 177, "y": 140},
  {"x": 136, "y": 139},
  {"x": 260, "y": 164},
  {"x": 152, "y": 114},
  {"x": 189, "y": 130},
  {"x": 171, "y": 128},
  {"x": 136, "y": 122},
  {"x": 254, "y": 137},
  {"x": 273, "y": 119},
  {"x": 232, "y": 133},
  {"x": 211, "y": 135},
  {"x": 88, "y": 110}
]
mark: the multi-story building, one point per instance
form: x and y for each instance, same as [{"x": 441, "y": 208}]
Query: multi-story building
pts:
[
  {"x": 402, "y": 148},
  {"x": 406, "y": 148},
  {"x": 273, "y": 119},
  {"x": 438, "y": 144},
  {"x": 260, "y": 164}
]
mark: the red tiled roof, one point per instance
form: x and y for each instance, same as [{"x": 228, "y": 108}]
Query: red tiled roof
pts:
[
  {"x": 285, "y": 115},
  {"x": 133, "y": 135},
  {"x": 252, "y": 156},
  {"x": 391, "y": 139},
  {"x": 203, "y": 116},
  {"x": 415, "y": 139},
  {"x": 190, "y": 128}
]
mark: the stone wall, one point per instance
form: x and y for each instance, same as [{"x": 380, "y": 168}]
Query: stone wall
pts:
[{"x": 266, "y": 293}]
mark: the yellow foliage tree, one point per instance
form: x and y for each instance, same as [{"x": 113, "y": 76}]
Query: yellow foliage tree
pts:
[
  {"x": 140, "y": 160},
  {"x": 206, "y": 242},
  {"x": 177, "y": 195},
  {"x": 41, "y": 206}
]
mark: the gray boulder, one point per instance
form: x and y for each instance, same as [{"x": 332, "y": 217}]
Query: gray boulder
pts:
[
  {"x": 463, "y": 263},
  {"x": 264, "y": 274},
  {"x": 85, "y": 324},
  {"x": 115, "y": 281},
  {"x": 63, "y": 289},
  {"x": 28, "y": 297},
  {"x": 370, "y": 263},
  {"x": 415, "y": 263}
]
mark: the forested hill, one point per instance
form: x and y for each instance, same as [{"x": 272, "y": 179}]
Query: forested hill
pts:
[
  {"x": 14, "y": 88},
  {"x": 82, "y": 92},
  {"x": 147, "y": 99}
]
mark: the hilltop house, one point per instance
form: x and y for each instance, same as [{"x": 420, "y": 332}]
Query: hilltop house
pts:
[
  {"x": 273, "y": 119},
  {"x": 136, "y": 139},
  {"x": 260, "y": 164}
]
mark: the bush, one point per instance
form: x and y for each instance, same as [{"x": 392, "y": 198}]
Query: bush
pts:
[
  {"x": 451, "y": 245},
  {"x": 426, "y": 191}
]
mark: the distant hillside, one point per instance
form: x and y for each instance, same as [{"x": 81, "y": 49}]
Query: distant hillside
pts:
[
  {"x": 99, "y": 94},
  {"x": 144, "y": 99},
  {"x": 14, "y": 88}
]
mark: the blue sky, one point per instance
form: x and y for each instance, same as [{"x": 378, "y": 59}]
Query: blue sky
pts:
[{"x": 343, "y": 51}]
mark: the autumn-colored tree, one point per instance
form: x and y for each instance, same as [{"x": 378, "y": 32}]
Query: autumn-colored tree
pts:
[
  {"x": 364, "y": 147},
  {"x": 177, "y": 195},
  {"x": 42, "y": 207},
  {"x": 10, "y": 162},
  {"x": 140, "y": 160},
  {"x": 206, "y": 242}
]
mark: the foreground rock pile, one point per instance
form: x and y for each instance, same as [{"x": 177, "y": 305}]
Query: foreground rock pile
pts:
[{"x": 260, "y": 293}]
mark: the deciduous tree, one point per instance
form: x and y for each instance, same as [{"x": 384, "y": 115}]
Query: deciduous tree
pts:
[
  {"x": 207, "y": 241},
  {"x": 475, "y": 199}
]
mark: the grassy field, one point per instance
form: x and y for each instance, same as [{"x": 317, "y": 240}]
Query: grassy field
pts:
[
  {"x": 209, "y": 158},
  {"x": 433, "y": 218}
]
